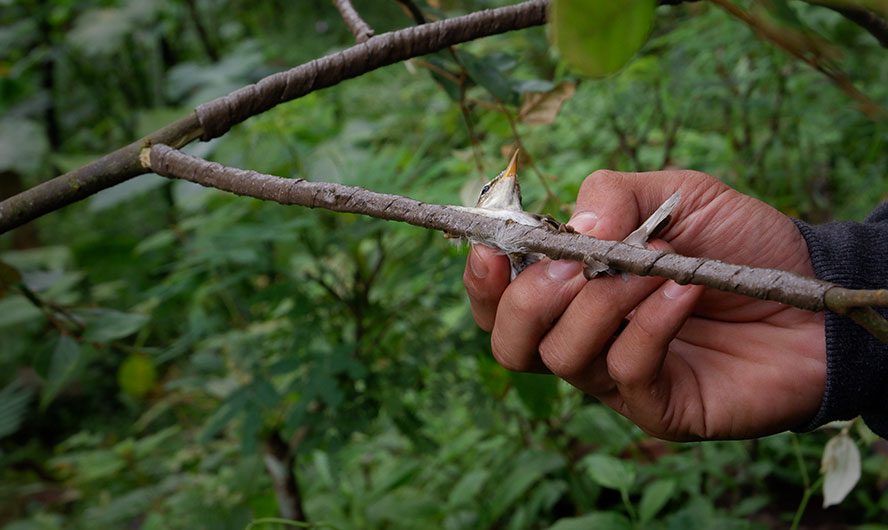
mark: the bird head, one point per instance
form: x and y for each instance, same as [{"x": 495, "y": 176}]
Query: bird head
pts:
[{"x": 503, "y": 192}]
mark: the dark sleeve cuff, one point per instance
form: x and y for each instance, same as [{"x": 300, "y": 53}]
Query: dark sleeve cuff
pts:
[{"x": 853, "y": 255}]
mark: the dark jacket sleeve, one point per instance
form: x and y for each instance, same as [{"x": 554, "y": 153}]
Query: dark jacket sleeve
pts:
[{"x": 853, "y": 255}]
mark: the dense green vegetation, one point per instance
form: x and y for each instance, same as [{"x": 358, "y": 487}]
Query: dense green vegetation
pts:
[{"x": 167, "y": 338}]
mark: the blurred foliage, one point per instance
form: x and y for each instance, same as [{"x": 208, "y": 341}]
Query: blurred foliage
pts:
[{"x": 156, "y": 338}]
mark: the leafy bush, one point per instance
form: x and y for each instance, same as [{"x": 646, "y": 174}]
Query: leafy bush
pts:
[{"x": 164, "y": 334}]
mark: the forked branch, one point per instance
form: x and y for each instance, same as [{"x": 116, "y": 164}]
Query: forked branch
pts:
[{"x": 214, "y": 118}]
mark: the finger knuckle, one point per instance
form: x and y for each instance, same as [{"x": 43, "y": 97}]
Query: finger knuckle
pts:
[
  {"x": 520, "y": 303},
  {"x": 624, "y": 371},
  {"x": 602, "y": 178},
  {"x": 477, "y": 290},
  {"x": 506, "y": 357},
  {"x": 560, "y": 361},
  {"x": 698, "y": 176},
  {"x": 645, "y": 327}
]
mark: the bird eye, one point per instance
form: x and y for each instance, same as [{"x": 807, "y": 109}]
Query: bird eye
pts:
[{"x": 485, "y": 189}]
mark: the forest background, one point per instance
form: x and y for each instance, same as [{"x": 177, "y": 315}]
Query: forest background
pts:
[{"x": 177, "y": 357}]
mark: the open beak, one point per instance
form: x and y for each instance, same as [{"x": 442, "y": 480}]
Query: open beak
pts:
[{"x": 511, "y": 170}]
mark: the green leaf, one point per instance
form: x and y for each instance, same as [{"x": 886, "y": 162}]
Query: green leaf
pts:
[
  {"x": 610, "y": 472},
  {"x": 14, "y": 400},
  {"x": 599, "y": 425},
  {"x": 609, "y": 520},
  {"x": 484, "y": 71},
  {"x": 63, "y": 365},
  {"x": 106, "y": 325},
  {"x": 655, "y": 496},
  {"x": 538, "y": 393},
  {"x": 534, "y": 465},
  {"x": 225, "y": 414},
  {"x": 450, "y": 86},
  {"x": 598, "y": 38},
  {"x": 468, "y": 488},
  {"x": 17, "y": 310}
]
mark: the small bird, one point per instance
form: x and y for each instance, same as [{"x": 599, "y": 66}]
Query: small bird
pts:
[{"x": 501, "y": 198}]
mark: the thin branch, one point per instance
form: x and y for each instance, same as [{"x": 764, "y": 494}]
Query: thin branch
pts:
[
  {"x": 766, "y": 284},
  {"x": 318, "y": 279},
  {"x": 866, "y": 19},
  {"x": 203, "y": 35},
  {"x": 413, "y": 10},
  {"x": 839, "y": 79},
  {"x": 213, "y": 119},
  {"x": 360, "y": 29}
]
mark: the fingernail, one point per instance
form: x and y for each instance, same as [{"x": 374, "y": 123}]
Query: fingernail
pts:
[
  {"x": 563, "y": 269},
  {"x": 584, "y": 222},
  {"x": 478, "y": 262},
  {"x": 674, "y": 291}
]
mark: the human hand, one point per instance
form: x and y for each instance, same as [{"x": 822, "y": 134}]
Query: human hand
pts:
[{"x": 691, "y": 362}]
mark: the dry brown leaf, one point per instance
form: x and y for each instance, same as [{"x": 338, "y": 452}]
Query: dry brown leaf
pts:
[{"x": 543, "y": 108}]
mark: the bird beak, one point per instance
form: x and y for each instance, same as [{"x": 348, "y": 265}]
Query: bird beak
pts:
[{"x": 512, "y": 169}]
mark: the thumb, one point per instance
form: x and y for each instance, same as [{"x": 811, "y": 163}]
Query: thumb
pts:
[{"x": 619, "y": 202}]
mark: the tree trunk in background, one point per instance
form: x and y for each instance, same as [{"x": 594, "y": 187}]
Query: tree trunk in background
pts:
[{"x": 279, "y": 461}]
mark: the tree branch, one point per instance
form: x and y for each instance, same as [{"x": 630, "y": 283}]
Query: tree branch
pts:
[
  {"x": 213, "y": 119},
  {"x": 110, "y": 170},
  {"x": 360, "y": 29},
  {"x": 218, "y": 116},
  {"x": 869, "y": 107},
  {"x": 766, "y": 284}
]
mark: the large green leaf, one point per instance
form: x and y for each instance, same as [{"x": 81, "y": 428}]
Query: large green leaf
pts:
[{"x": 598, "y": 38}]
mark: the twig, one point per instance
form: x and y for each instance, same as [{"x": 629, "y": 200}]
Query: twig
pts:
[
  {"x": 766, "y": 284},
  {"x": 866, "y": 19},
  {"x": 550, "y": 195},
  {"x": 353, "y": 20}
]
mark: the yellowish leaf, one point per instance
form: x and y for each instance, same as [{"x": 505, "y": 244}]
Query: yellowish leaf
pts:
[{"x": 543, "y": 108}]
